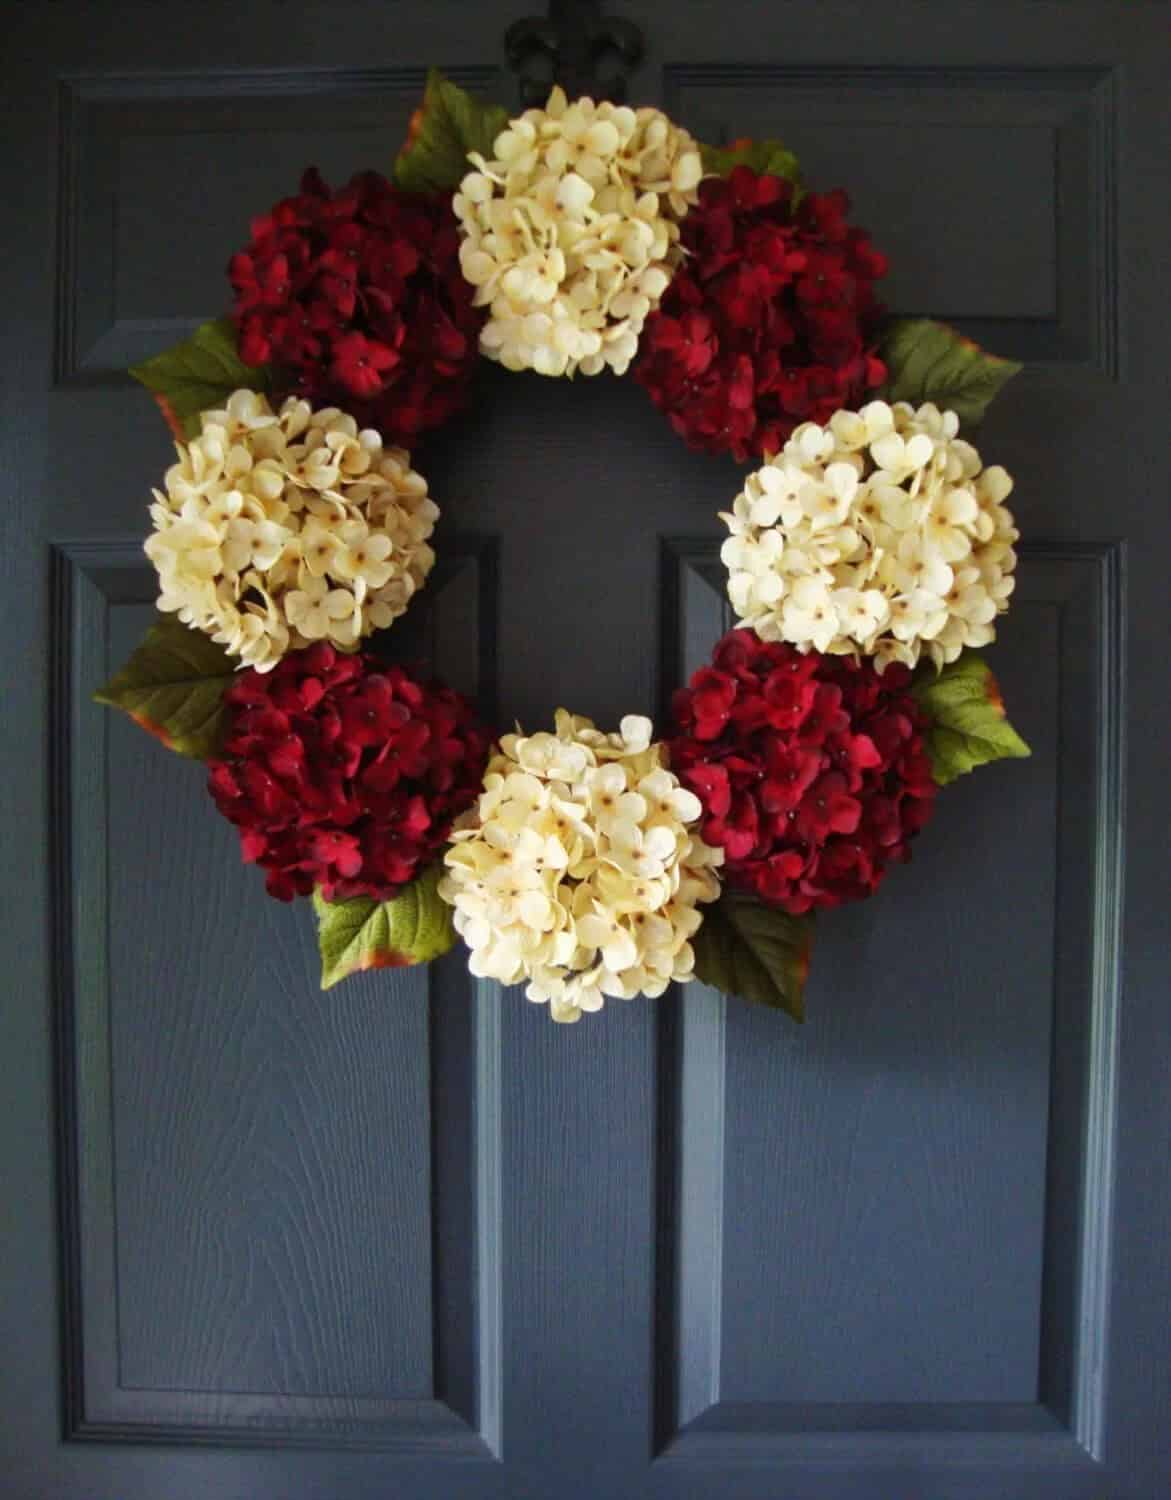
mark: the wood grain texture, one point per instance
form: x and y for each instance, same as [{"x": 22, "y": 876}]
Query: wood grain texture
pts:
[{"x": 273, "y": 1146}]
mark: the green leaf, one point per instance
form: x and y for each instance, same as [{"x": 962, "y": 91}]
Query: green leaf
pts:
[
  {"x": 365, "y": 934},
  {"x": 173, "y": 686},
  {"x": 761, "y": 156},
  {"x": 968, "y": 723},
  {"x": 756, "y": 952},
  {"x": 448, "y": 125},
  {"x": 928, "y": 361},
  {"x": 198, "y": 375}
]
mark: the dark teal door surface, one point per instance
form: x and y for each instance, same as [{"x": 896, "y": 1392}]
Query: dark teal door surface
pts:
[{"x": 408, "y": 1239}]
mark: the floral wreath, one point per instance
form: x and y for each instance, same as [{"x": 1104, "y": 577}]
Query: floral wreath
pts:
[{"x": 869, "y": 555}]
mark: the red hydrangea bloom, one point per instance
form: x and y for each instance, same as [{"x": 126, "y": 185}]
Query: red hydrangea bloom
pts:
[
  {"x": 811, "y": 769},
  {"x": 358, "y": 298},
  {"x": 769, "y": 322},
  {"x": 343, "y": 773}
]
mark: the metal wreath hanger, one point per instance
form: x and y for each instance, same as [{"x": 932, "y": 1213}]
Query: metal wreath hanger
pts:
[{"x": 575, "y": 46}]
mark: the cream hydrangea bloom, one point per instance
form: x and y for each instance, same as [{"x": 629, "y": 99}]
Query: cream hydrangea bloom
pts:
[
  {"x": 280, "y": 529},
  {"x": 570, "y": 232},
  {"x": 881, "y": 533},
  {"x": 579, "y": 870}
]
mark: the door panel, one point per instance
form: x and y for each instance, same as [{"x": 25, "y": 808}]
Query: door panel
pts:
[
  {"x": 953, "y": 1280},
  {"x": 277, "y": 1216},
  {"x": 989, "y": 186},
  {"x": 407, "y": 1237},
  {"x": 143, "y": 258}
]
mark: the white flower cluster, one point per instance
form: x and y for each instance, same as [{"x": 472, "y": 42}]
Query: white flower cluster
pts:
[
  {"x": 578, "y": 871},
  {"x": 279, "y": 530},
  {"x": 570, "y": 232},
  {"x": 881, "y": 533}
]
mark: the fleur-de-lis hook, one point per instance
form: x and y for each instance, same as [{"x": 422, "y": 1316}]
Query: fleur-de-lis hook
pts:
[{"x": 575, "y": 46}]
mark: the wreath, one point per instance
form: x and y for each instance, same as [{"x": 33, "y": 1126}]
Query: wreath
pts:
[{"x": 870, "y": 552}]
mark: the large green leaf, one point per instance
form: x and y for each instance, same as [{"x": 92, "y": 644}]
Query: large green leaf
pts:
[
  {"x": 173, "y": 685},
  {"x": 968, "y": 723},
  {"x": 365, "y": 934},
  {"x": 928, "y": 361},
  {"x": 760, "y": 156},
  {"x": 756, "y": 952},
  {"x": 448, "y": 125},
  {"x": 199, "y": 374}
]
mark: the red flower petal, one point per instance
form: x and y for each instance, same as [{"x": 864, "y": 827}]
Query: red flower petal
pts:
[
  {"x": 811, "y": 771},
  {"x": 345, "y": 774},
  {"x": 771, "y": 321},
  {"x": 358, "y": 297}
]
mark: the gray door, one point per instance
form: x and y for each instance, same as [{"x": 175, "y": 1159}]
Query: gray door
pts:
[{"x": 409, "y": 1239}]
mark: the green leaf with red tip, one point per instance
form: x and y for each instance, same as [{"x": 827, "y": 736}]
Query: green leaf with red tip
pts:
[
  {"x": 928, "y": 361},
  {"x": 199, "y": 375},
  {"x": 756, "y": 952},
  {"x": 760, "y": 156},
  {"x": 448, "y": 124},
  {"x": 968, "y": 723},
  {"x": 173, "y": 687},
  {"x": 362, "y": 934}
]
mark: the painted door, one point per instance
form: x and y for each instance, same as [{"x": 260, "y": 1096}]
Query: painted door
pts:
[{"x": 409, "y": 1238}]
